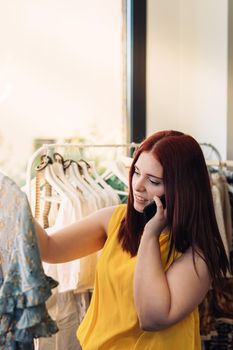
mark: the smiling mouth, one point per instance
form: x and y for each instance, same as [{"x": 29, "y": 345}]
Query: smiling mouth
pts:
[{"x": 140, "y": 199}]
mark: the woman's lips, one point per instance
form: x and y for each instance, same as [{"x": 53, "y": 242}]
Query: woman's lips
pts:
[{"x": 140, "y": 199}]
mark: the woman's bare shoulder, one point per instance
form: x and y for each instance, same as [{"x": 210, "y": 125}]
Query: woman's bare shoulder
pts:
[{"x": 104, "y": 215}]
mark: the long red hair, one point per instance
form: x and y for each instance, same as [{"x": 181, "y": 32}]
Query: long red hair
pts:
[{"x": 190, "y": 210}]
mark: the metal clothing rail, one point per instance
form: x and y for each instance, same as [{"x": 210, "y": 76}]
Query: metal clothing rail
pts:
[
  {"x": 212, "y": 148},
  {"x": 220, "y": 163},
  {"x": 216, "y": 162},
  {"x": 46, "y": 147}
]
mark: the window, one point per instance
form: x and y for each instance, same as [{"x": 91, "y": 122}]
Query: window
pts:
[{"x": 61, "y": 76}]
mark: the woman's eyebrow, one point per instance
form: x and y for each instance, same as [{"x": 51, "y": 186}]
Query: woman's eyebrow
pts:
[{"x": 156, "y": 177}]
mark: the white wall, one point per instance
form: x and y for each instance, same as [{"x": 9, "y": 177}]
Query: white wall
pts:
[{"x": 187, "y": 68}]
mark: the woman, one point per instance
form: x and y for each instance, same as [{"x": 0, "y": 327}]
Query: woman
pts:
[{"x": 150, "y": 276}]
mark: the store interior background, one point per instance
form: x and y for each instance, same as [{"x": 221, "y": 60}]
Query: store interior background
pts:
[
  {"x": 63, "y": 75},
  {"x": 189, "y": 69}
]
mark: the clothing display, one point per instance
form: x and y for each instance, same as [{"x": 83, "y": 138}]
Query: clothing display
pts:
[
  {"x": 219, "y": 182},
  {"x": 71, "y": 298},
  {"x": 66, "y": 193},
  {"x": 216, "y": 310},
  {"x": 24, "y": 287},
  {"x": 223, "y": 339},
  {"x": 112, "y": 304},
  {"x": 74, "y": 195},
  {"x": 77, "y": 274},
  {"x": 68, "y": 309}
]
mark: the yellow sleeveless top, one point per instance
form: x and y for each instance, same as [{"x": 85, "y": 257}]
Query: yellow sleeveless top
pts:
[{"x": 111, "y": 322}]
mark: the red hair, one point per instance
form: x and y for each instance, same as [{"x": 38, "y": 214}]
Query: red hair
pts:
[{"x": 189, "y": 202}]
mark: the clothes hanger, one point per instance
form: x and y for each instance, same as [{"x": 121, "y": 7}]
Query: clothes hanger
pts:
[
  {"x": 78, "y": 172},
  {"x": 95, "y": 187},
  {"x": 46, "y": 182},
  {"x": 57, "y": 185},
  {"x": 75, "y": 178},
  {"x": 101, "y": 184},
  {"x": 58, "y": 167},
  {"x": 49, "y": 175},
  {"x": 112, "y": 195}
]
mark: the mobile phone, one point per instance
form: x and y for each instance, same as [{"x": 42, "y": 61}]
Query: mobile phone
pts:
[{"x": 150, "y": 209}]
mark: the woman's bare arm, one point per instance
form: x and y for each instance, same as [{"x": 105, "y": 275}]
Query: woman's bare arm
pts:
[
  {"x": 76, "y": 240},
  {"x": 163, "y": 299}
]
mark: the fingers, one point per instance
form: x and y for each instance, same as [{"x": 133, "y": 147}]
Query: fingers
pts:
[
  {"x": 160, "y": 209},
  {"x": 158, "y": 203}
]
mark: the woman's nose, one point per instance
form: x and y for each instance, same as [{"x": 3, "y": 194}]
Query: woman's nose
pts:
[{"x": 139, "y": 184}]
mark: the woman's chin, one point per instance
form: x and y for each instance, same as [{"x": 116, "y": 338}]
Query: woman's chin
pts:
[{"x": 139, "y": 207}]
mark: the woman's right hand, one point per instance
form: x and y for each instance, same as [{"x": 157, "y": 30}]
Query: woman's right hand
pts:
[{"x": 158, "y": 222}]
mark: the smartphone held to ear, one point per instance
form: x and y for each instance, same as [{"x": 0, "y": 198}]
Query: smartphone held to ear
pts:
[{"x": 150, "y": 209}]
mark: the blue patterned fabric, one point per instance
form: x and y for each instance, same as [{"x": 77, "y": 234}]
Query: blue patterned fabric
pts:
[{"x": 24, "y": 288}]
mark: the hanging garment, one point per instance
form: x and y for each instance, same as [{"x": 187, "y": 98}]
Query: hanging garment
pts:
[
  {"x": 71, "y": 298},
  {"x": 219, "y": 216},
  {"x": 221, "y": 182},
  {"x": 24, "y": 288},
  {"x": 68, "y": 309},
  {"x": 216, "y": 309},
  {"x": 111, "y": 321},
  {"x": 77, "y": 275}
]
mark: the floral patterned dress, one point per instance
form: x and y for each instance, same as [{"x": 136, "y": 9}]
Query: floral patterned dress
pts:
[{"x": 24, "y": 288}]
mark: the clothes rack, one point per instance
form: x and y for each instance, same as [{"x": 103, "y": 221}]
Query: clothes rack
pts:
[
  {"x": 215, "y": 162},
  {"x": 220, "y": 163},
  {"x": 212, "y": 148},
  {"x": 45, "y": 148}
]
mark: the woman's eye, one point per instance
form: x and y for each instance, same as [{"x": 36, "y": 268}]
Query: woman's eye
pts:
[
  {"x": 154, "y": 182},
  {"x": 136, "y": 172}
]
